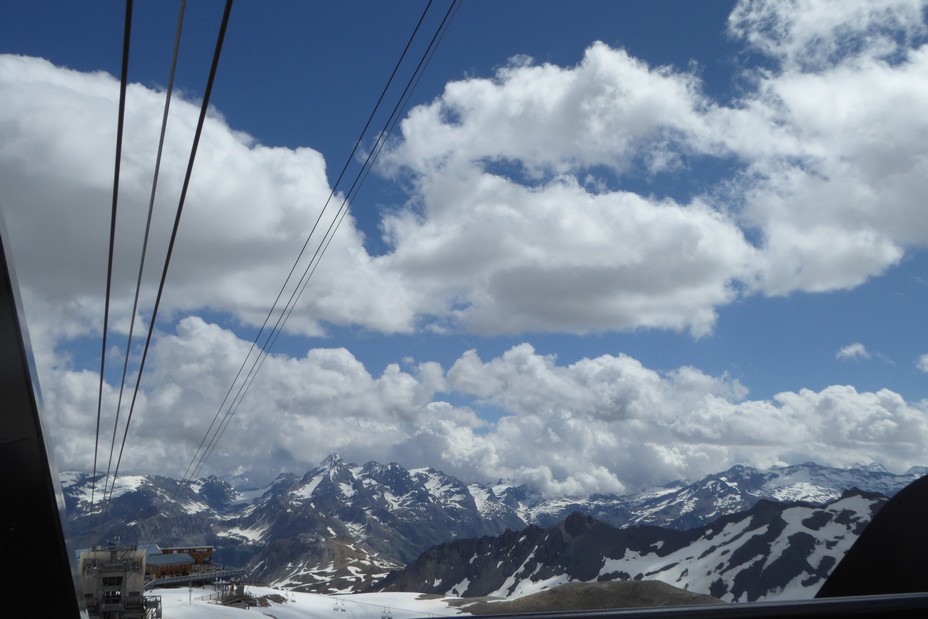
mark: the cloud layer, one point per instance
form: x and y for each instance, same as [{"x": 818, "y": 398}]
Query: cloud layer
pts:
[
  {"x": 604, "y": 424},
  {"x": 536, "y": 199}
]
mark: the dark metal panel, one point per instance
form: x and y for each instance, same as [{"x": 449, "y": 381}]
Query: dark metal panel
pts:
[
  {"x": 32, "y": 517},
  {"x": 914, "y": 606},
  {"x": 889, "y": 556}
]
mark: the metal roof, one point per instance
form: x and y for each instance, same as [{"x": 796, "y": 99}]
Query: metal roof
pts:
[{"x": 179, "y": 558}]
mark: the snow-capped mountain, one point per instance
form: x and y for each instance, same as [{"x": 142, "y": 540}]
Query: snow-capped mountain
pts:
[
  {"x": 338, "y": 527},
  {"x": 686, "y": 505},
  {"x": 775, "y": 550},
  {"x": 343, "y": 526}
]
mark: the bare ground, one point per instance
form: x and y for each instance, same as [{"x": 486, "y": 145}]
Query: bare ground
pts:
[{"x": 589, "y": 596}]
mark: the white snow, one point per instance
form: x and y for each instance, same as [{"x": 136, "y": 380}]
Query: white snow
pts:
[
  {"x": 356, "y": 530},
  {"x": 194, "y": 507},
  {"x": 185, "y": 604},
  {"x": 253, "y": 535},
  {"x": 515, "y": 577},
  {"x": 480, "y": 496},
  {"x": 306, "y": 490},
  {"x": 528, "y": 587},
  {"x": 248, "y": 496},
  {"x": 392, "y": 500},
  {"x": 124, "y": 484},
  {"x": 459, "y": 589}
]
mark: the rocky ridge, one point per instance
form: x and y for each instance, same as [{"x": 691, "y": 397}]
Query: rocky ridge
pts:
[{"x": 774, "y": 550}]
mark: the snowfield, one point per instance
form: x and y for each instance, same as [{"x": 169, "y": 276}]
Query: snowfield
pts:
[{"x": 188, "y": 604}]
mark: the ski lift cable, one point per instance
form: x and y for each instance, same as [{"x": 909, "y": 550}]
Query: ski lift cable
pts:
[
  {"x": 151, "y": 205},
  {"x": 254, "y": 343},
  {"x": 336, "y": 222},
  {"x": 330, "y": 232},
  {"x": 401, "y": 104},
  {"x": 296, "y": 262},
  {"x": 180, "y": 208},
  {"x": 120, "y": 121}
]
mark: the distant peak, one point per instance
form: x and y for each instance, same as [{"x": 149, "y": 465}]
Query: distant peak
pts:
[
  {"x": 873, "y": 467},
  {"x": 332, "y": 460}
]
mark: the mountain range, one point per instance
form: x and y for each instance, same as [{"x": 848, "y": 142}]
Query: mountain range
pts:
[
  {"x": 344, "y": 527},
  {"x": 774, "y": 550}
]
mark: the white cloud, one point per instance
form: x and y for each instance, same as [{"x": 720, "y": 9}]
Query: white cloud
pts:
[
  {"x": 611, "y": 110},
  {"x": 247, "y": 211},
  {"x": 809, "y": 34},
  {"x": 853, "y": 352},
  {"x": 922, "y": 363},
  {"x": 545, "y": 253},
  {"x": 836, "y": 203},
  {"x": 604, "y": 424},
  {"x": 504, "y": 258},
  {"x": 519, "y": 219},
  {"x": 832, "y": 160}
]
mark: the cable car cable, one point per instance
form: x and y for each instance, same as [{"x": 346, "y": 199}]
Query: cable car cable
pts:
[
  {"x": 333, "y": 226},
  {"x": 121, "y": 114},
  {"x": 180, "y": 208},
  {"x": 296, "y": 262}
]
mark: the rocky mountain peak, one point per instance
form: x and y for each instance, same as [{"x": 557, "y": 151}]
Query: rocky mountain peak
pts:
[{"x": 332, "y": 461}]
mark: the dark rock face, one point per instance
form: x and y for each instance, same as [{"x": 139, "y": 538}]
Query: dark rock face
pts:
[
  {"x": 765, "y": 553},
  {"x": 217, "y": 494}
]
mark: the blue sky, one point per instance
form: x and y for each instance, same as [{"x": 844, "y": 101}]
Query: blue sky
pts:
[{"x": 698, "y": 242}]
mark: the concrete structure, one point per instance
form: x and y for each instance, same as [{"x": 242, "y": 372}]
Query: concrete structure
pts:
[{"x": 113, "y": 582}]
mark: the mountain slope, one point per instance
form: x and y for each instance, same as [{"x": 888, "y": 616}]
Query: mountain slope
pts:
[{"x": 774, "y": 550}]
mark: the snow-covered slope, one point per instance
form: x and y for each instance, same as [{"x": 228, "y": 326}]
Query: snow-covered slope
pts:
[
  {"x": 773, "y": 551},
  {"x": 196, "y": 604}
]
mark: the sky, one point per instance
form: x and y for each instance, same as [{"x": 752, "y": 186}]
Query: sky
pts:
[{"x": 608, "y": 245}]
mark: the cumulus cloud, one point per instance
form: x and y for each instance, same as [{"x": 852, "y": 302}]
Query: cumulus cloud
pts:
[
  {"x": 836, "y": 203},
  {"x": 520, "y": 217},
  {"x": 922, "y": 363},
  {"x": 808, "y": 34},
  {"x": 853, "y": 352},
  {"x": 561, "y": 258},
  {"x": 603, "y": 424},
  {"x": 297, "y": 411},
  {"x": 611, "y": 110},
  {"x": 247, "y": 212},
  {"x": 829, "y": 157}
]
